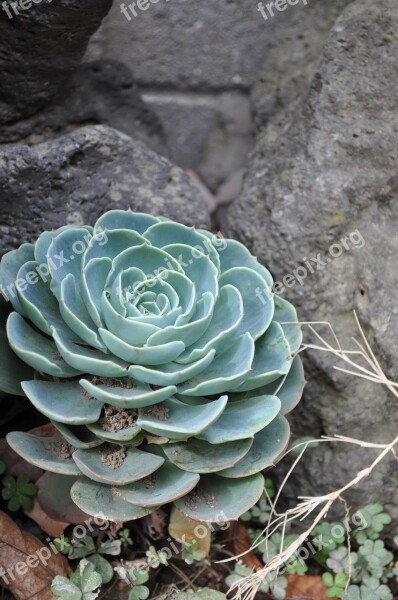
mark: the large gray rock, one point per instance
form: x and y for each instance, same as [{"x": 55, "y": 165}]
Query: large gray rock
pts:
[
  {"x": 183, "y": 44},
  {"x": 40, "y": 48},
  {"x": 102, "y": 92},
  {"x": 325, "y": 172},
  {"x": 77, "y": 177}
]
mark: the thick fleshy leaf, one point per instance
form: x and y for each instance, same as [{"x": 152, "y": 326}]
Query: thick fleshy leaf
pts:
[
  {"x": 136, "y": 465},
  {"x": 78, "y": 435},
  {"x": 65, "y": 256},
  {"x": 166, "y": 485},
  {"x": 258, "y": 312},
  {"x": 90, "y": 361},
  {"x": 40, "y": 304},
  {"x": 94, "y": 278},
  {"x": 234, "y": 254},
  {"x": 288, "y": 388},
  {"x": 220, "y": 499},
  {"x": 164, "y": 234},
  {"x": 130, "y": 330},
  {"x": 137, "y": 396},
  {"x": 226, "y": 372},
  {"x": 43, "y": 452},
  {"x": 109, "y": 244},
  {"x": 176, "y": 420},
  {"x": 227, "y": 315},
  {"x": 36, "y": 350},
  {"x": 272, "y": 359},
  {"x": 171, "y": 373},
  {"x": 267, "y": 446},
  {"x": 190, "y": 332},
  {"x": 97, "y": 499},
  {"x": 286, "y": 315},
  {"x": 154, "y": 355},
  {"x": 242, "y": 419},
  {"x": 198, "y": 456},
  {"x": 63, "y": 402},
  {"x": 200, "y": 270},
  {"x": 10, "y": 264},
  {"x": 75, "y": 314},
  {"x": 121, "y": 436},
  {"x": 125, "y": 219},
  {"x": 12, "y": 369}
]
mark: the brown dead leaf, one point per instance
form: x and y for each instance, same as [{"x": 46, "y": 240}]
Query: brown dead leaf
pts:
[
  {"x": 155, "y": 524},
  {"x": 237, "y": 540},
  {"x": 306, "y": 586},
  {"x": 27, "y": 566},
  {"x": 184, "y": 529},
  {"x": 53, "y": 527}
]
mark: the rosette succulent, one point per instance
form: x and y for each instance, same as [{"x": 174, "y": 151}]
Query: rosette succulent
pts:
[{"x": 161, "y": 356}]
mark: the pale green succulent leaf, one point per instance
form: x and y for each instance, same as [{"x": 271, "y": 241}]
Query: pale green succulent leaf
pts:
[
  {"x": 227, "y": 371},
  {"x": 62, "y": 258},
  {"x": 199, "y": 456},
  {"x": 272, "y": 359},
  {"x": 94, "y": 498},
  {"x": 166, "y": 233},
  {"x": 242, "y": 419},
  {"x": 138, "y": 396},
  {"x": 234, "y": 254},
  {"x": 40, "y": 305},
  {"x": 286, "y": 314},
  {"x": 10, "y": 264},
  {"x": 200, "y": 270},
  {"x": 190, "y": 332},
  {"x": 154, "y": 355},
  {"x": 268, "y": 444},
  {"x": 64, "y": 403},
  {"x": 129, "y": 434},
  {"x": 288, "y": 388},
  {"x": 227, "y": 315},
  {"x": 136, "y": 465},
  {"x": 125, "y": 219},
  {"x": 131, "y": 331},
  {"x": 257, "y": 314},
  {"x": 35, "y": 349},
  {"x": 166, "y": 485},
  {"x": 41, "y": 452},
  {"x": 90, "y": 361},
  {"x": 181, "y": 420},
  {"x": 75, "y": 314},
  {"x": 12, "y": 369},
  {"x": 94, "y": 278},
  {"x": 171, "y": 373},
  {"x": 111, "y": 244},
  {"x": 217, "y": 498},
  {"x": 78, "y": 435}
]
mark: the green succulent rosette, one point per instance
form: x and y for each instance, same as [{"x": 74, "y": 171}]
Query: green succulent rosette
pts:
[{"x": 163, "y": 358}]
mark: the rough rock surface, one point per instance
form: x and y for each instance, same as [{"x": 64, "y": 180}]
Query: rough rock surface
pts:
[
  {"x": 325, "y": 166},
  {"x": 102, "y": 92},
  {"x": 40, "y": 48},
  {"x": 76, "y": 177}
]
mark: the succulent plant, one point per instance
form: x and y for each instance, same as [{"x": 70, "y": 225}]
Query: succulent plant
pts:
[{"x": 163, "y": 359}]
